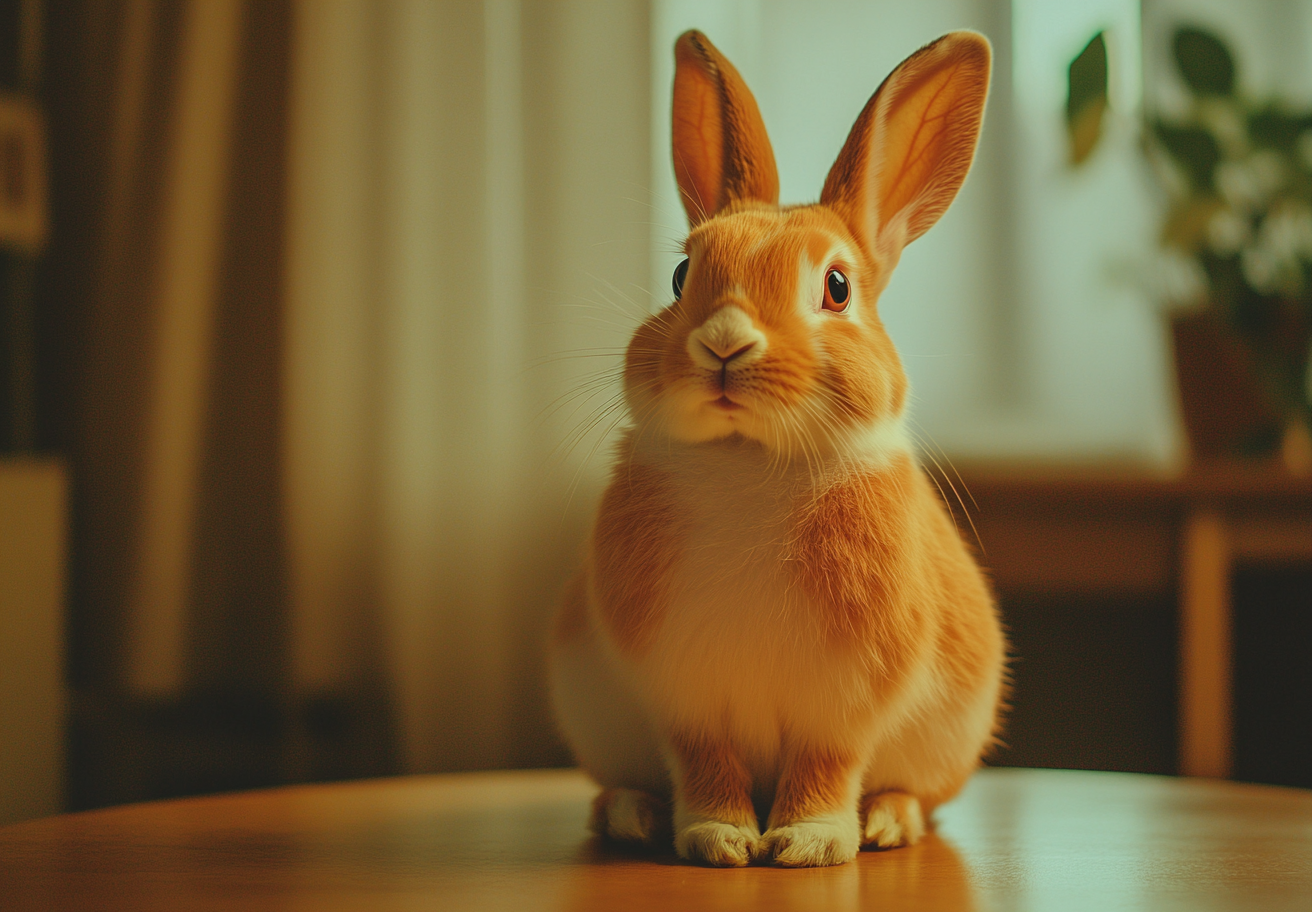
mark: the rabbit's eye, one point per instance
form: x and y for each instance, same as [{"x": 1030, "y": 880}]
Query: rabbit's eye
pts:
[
  {"x": 680, "y": 276},
  {"x": 837, "y": 292}
]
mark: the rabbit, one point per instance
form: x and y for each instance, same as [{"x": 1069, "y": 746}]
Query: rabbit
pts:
[{"x": 776, "y": 618}]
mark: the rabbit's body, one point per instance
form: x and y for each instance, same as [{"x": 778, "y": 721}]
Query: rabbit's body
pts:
[
  {"x": 776, "y": 614},
  {"x": 740, "y": 640}
]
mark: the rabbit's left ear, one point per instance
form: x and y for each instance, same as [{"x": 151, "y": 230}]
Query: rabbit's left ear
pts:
[
  {"x": 721, "y": 151},
  {"x": 910, "y": 149}
]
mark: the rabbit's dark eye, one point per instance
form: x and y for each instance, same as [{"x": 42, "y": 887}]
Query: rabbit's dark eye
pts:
[
  {"x": 680, "y": 276},
  {"x": 837, "y": 292}
]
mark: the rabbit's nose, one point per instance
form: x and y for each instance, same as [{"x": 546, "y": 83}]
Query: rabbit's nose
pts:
[
  {"x": 727, "y": 336},
  {"x": 727, "y": 356}
]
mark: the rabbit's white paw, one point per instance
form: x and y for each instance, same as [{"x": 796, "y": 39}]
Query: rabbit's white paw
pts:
[
  {"x": 812, "y": 843},
  {"x": 628, "y": 815},
  {"x": 714, "y": 843},
  {"x": 892, "y": 819}
]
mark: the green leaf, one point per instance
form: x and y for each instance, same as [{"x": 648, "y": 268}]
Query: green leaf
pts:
[
  {"x": 1086, "y": 98},
  {"x": 1087, "y": 77},
  {"x": 1205, "y": 62},
  {"x": 1272, "y": 127},
  {"x": 1193, "y": 148}
]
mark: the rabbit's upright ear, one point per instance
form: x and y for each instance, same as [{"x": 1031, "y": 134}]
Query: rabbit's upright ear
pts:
[
  {"x": 910, "y": 149},
  {"x": 721, "y": 151}
]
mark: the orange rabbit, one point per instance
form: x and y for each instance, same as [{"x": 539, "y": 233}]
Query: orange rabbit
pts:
[{"x": 776, "y": 613}]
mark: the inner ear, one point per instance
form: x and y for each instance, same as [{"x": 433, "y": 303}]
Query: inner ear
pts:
[
  {"x": 721, "y": 151},
  {"x": 910, "y": 150}
]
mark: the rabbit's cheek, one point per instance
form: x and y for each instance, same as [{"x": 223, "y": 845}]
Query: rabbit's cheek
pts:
[
  {"x": 644, "y": 373},
  {"x": 863, "y": 375}
]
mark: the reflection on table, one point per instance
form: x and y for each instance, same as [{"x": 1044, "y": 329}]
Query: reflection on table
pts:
[{"x": 1015, "y": 839}]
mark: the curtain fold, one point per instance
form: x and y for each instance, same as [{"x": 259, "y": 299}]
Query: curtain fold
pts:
[
  {"x": 458, "y": 173},
  {"x": 159, "y": 340},
  {"x": 185, "y": 293},
  {"x": 331, "y": 326}
]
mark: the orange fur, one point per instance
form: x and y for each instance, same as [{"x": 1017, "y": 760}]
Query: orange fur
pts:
[
  {"x": 927, "y": 121},
  {"x": 932, "y": 798},
  {"x": 855, "y": 553},
  {"x": 722, "y": 152},
  {"x": 748, "y": 257},
  {"x": 572, "y": 618},
  {"x": 715, "y": 780},
  {"x": 632, "y": 546},
  {"x": 857, "y": 379},
  {"x": 814, "y": 782},
  {"x": 776, "y": 601}
]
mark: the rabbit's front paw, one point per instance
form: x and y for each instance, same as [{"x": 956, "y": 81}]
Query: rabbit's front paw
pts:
[
  {"x": 720, "y": 844},
  {"x": 811, "y": 843},
  {"x": 628, "y": 815},
  {"x": 892, "y": 819}
]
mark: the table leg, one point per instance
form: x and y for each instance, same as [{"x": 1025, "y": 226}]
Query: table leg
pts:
[{"x": 1205, "y": 649}]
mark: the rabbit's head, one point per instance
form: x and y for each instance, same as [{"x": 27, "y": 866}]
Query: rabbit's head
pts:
[{"x": 774, "y": 335}]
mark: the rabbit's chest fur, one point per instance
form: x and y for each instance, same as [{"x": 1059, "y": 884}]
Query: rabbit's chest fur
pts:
[{"x": 738, "y": 645}]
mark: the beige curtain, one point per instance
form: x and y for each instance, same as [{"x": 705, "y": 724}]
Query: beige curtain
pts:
[
  {"x": 333, "y": 291},
  {"x": 466, "y": 206}
]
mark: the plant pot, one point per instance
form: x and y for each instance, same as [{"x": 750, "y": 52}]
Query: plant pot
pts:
[{"x": 1225, "y": 408}]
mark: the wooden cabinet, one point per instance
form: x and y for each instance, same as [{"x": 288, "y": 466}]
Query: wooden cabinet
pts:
[{"x": 1045, "y": 529}]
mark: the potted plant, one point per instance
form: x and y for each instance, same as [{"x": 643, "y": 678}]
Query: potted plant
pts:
[{"x": 1238, "y": 173}]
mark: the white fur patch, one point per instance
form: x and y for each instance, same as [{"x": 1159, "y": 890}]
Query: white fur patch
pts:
[
  {"x": 811, "y": 284},
  {"x": 876, "y": 445}
]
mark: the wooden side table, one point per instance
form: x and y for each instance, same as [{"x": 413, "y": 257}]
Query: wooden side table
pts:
[
  {"x": 1216, "y": 534},
  {"x": 1047, "y": 528}
]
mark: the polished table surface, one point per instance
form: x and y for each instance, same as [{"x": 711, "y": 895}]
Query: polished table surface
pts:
[{"x": 1014, "y": 840}]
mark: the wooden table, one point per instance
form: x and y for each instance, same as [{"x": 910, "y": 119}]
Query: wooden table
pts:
[
  {"x": 1016, "y": 839},
  {"x": 1104, "y": 528}
]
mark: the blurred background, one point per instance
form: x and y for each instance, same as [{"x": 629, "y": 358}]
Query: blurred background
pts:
[{"x": 312, "y": 320}]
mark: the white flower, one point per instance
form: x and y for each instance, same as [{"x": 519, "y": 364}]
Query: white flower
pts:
[
  {"x": 1227, "y": 232},
  {"x": 1249, "y": 183},
  {"x": 1287, "y": 233},
  {"x": 1261, "y": 270},
  {"x": 1171, "y": 173},
  {"x": 1238, "y": 185},
  {"x": 1225, "y": 122},
  {"x": 1272, "y": 261},
  {"x": 1178, "y": 279},
  {"x": 1269, "y": 170}
]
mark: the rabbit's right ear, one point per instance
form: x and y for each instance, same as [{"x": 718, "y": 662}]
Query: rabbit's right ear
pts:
[
  {"x": 721, "y": 151},
  {"x": 910, "y": 149}
]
